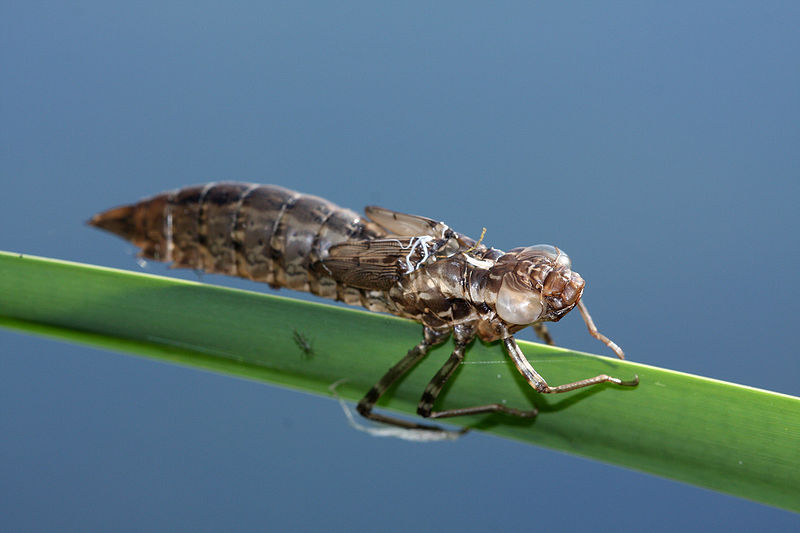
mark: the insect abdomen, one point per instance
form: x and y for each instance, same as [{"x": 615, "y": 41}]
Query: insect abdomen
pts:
[{"x": 260, "y": 232}]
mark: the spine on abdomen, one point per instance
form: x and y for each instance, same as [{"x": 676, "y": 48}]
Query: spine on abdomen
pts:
[{"x": 260, "y": 232}]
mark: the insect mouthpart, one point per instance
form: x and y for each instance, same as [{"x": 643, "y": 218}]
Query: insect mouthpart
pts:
[{"x": 561, "y": 292}]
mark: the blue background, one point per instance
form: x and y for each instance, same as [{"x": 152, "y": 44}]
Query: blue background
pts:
[{"x": 657, "y": 144}]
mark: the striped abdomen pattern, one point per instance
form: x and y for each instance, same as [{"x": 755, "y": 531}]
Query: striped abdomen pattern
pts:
[{"x": 261, "y": 232}]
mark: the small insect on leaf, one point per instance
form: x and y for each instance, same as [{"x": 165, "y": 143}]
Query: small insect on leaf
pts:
[
  {"x": 303, "y": 343},
  {"x": 389, "y": 262}
]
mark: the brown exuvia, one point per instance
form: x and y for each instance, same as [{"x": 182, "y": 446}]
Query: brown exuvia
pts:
[{"x": 391, "y": 262}]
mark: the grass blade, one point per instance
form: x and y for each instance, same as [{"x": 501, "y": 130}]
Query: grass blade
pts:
[{"x": 718, "y": 435}]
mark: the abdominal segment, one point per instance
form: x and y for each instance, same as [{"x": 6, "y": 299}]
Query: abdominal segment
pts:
[{"x": 261, "y": 232}]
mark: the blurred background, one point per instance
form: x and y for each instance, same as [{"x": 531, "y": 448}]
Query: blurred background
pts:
[{"x": 656, "y": 144}]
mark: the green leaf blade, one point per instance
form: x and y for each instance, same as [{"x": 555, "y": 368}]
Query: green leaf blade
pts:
[{"x": 726, "y": 437}]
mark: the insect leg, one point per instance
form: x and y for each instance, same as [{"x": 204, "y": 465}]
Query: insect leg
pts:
[
  {"x": 542, "y": 333},
  {"x": 538, "y": 382},
  {"x": 425, "y": 407},
  {"x": 587, "y": 318},
  {"x": 365, "y": 406}
]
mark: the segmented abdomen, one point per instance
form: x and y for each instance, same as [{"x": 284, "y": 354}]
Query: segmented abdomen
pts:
[{"x": 260, "y": 232}]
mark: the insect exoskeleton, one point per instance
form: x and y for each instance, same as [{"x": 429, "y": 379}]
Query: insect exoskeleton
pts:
[
  {"x": 391, "y": 262},
  {"x": 537, "y": 284}
]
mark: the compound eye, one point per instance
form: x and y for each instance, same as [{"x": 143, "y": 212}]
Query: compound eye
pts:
[
  {"x": 560, "y": 258},
  {"x": 516, "y": 305},
  {"x": 545, "y": 249}
]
